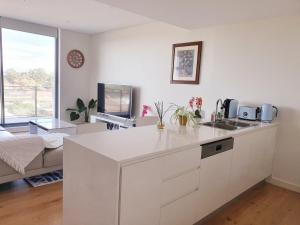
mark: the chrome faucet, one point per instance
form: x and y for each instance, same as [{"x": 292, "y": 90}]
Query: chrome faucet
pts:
[{"x": 219, "y": 116}]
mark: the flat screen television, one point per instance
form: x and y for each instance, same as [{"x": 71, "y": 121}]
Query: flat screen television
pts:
[{"x": 115, "y": 99}]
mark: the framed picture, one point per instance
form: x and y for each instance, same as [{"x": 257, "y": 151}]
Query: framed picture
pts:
[{"x": 186, "y": 62}]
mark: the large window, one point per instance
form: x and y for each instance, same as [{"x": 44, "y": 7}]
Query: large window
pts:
[{"x": 28, "y": 74}]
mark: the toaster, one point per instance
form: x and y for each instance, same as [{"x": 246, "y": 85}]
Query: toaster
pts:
[{"x": 248, "y": 112}]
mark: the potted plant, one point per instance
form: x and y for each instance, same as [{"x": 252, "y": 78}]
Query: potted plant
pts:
[
  {"x": 81, "y": 108},
  {"x": 196, "y": 105},
  {"x": 183, "y": 115},
  {"x": 161, "y": 113}
]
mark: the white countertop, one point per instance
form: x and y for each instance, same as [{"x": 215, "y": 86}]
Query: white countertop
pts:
[{"x": 126, "y": 146}]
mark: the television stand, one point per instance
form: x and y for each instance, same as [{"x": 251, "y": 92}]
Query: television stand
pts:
[{"x": 114, "y": 122}]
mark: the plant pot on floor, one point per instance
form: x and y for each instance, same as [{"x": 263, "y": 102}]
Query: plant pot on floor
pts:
[{"x": 182, "y": 120}]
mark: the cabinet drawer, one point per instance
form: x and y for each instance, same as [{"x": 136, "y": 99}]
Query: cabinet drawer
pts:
[
  {"x": 181, "y": 162},
  {"x": 180, "y": 186},
  {"x": 180, "y": 212}
]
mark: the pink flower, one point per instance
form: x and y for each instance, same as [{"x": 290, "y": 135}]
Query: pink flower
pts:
[
  {"x": 198, "y": 102},
  {"x": 191, "y": 102},
  {"x": 145, "y": 110}
]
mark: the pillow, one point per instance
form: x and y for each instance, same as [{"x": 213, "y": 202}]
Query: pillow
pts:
[{"x": 53, "y": 140}]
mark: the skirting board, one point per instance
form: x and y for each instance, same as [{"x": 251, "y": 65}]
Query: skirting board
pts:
[{"x": 284, "y": 184}]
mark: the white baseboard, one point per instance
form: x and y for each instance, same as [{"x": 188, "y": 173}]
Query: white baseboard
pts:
[{"x": 284, "y": 184}]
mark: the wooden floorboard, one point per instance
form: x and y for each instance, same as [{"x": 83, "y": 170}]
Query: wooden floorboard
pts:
[
  {"x": 264, "y": 205},
  {"x": 24, "y": 205}
]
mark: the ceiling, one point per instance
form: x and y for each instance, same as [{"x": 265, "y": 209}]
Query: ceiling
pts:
[
  {"x": 94, "y": 16},
  {"x": 193, "y": 14},
  {"x": 88, "y": 16}
]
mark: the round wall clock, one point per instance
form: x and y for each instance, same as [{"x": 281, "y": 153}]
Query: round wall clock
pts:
[{"x": 75, "y": 58}]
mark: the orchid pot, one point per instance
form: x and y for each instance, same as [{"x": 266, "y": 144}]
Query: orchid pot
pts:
[
  {"x": 183, "y": 115},
  {"x": 182, "y": 120}
]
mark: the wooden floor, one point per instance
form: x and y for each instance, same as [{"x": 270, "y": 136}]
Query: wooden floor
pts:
[
  {"x": 263, "y": 205},
  {"x": 24, "y": 205}
]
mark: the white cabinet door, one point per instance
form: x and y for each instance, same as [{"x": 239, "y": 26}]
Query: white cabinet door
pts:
[
  {"x": 257, "y": 152},
  {"x": 252, "y": 159},
  {"x": 160, "y": 185},
  {"x": 179, "y": 187},
  {"x": 140, "y": 193},
  {"x": 178, "y": 163},
  {"x": 180, "y": 212},
  {"x": 239, "y": 179},
  {"x": 261, "y": 154},
  {"x": 270, "y": 146},
  {"x": 214, "y": 177}
]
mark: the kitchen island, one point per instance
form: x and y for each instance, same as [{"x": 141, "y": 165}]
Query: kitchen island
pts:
[{"x": 161, "y": 177}]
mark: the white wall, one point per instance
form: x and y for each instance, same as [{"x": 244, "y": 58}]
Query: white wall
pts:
[
  {"x": 253, "y": 62},
  {"x": 74, "y": 83}
]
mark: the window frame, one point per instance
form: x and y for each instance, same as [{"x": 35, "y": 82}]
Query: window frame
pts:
[{"x": 33, "y": 28}]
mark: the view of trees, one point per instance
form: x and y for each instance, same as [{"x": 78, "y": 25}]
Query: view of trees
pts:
[
  {"x": 28, "y": 93},
  {"x": 36, "y": 77}
]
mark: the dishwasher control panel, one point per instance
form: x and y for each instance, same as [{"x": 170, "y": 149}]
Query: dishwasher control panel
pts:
[{"x": 216, "y": 147}]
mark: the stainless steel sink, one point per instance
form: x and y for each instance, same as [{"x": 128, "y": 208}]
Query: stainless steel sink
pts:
[{"x": 229, "y": 124}]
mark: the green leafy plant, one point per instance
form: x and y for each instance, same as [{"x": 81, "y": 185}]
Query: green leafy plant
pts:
[
  {"x": 81, "y": 108},
  {"x": 182, "y": 114}
]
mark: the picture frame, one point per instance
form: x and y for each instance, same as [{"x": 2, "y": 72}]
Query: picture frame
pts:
[{"x": 186, "y": 61}]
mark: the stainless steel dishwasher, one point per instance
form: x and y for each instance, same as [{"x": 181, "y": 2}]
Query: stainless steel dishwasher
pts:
[
  {"x": 214, "y": 175},
  {"x": 216, "y": 147}
]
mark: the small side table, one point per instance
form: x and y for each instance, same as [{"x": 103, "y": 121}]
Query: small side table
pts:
[{"x": 51, "y": 125}]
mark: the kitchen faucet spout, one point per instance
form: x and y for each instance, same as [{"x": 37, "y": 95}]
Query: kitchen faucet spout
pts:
[{"x": 218, "y": 115}]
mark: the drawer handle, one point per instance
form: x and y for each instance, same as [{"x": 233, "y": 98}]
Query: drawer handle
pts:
[{"x": 218, "y": 147}]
